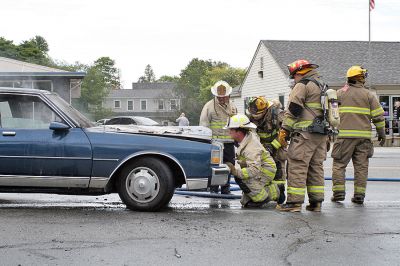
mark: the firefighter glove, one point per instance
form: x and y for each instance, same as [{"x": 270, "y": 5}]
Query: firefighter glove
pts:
[
  {"x": 232, "y": 169},
  {"x": 283, "y": 137},
  {"x": 381, "y": 136},
  {"x": 243, "y": 164}
]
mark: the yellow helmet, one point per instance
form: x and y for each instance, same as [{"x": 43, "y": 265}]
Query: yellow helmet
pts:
[
  {"x": 257, "y": 104},
  {"x": 356, "y": 71}
]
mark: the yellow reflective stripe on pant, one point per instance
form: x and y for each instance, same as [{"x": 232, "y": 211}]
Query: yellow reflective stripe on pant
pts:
[
  {"x": 315, "y": 189},
  {"x": 261, "y": 196},
  {"x": 359, "y": 190},
  {"x": 276, "y": 144},
  {"x": 279, "y": 182},
  {"x": 338, "y": 188},
  {"x": 273, "y": 190},
  {"x": 354, "y": 110},
  {"x": 296, "y": 191},
  {"x": 378, "y": 111},
  {"x": 380, "y": 124},
  {"x": 355, "y": 133}
]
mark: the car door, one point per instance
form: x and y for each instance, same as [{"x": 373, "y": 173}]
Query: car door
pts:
[{"x": 32, "y": 154}]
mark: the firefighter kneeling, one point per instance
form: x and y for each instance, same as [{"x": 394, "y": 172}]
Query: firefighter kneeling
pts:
[{"x": 255, "y": 168}]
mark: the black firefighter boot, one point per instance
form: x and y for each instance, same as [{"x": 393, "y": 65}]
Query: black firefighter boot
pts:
[
  {"x": 314, "y": 206},
  {"x": 282, "y": 196},
  {"x": 252, "y": 204},
  {"x": 226, "y": 189},
  {"x": 289, "y": 207},
  {"x": 338, "y": 196},
  {"x": 358, "y": 198},
  {"x": 214, "y": 189}
]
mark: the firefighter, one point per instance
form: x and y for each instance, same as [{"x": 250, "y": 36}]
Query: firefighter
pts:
[
  {"x": 255, "y": 169},
  {"x": 214, "y": 115},
  {"x": 303, "y": 121},
  {"x": 268, "y": 116},
  {"x": 358, "y": 108}
]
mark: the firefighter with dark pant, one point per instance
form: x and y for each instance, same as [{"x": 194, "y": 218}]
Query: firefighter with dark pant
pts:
[
  {"x": 358, "y": 108},
  {"x": 304, "y": 121},
  {"x": 255, "y": 168},
  {"x": 268, "y": 116},
  {"x": 214, "y": 115}
]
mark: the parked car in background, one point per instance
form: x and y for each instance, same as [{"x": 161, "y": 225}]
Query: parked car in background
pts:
[
  {"x": 131, "y": 120},
  {"x": 101, "y": 121},
  {"x": 46, "y": 146}
]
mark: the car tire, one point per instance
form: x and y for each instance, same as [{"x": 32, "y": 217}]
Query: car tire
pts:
[{"x": 146, "y": 184}]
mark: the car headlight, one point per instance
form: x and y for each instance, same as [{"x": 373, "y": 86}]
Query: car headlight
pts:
[{"x": 216, "y": 153}]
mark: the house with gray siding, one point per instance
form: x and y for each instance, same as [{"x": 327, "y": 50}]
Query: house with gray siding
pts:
[
  {"x": 19, "y": 74},
  {"x": 157, "y": 100},
  {"x": 267, "y": 74}
]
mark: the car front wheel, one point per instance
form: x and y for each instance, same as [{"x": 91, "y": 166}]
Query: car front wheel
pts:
[{"x": 146, "y": 184}]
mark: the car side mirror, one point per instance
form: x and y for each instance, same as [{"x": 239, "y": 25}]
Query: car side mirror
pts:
[{"x": 57, "y": 126}]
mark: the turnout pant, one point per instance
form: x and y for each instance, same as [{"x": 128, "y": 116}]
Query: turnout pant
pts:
[
  {"x": 257, "y": 190},
  {"x": 280, "y": 157},
  {"x": 306, "y": 154},
  {"x": 357, "y": 150}
]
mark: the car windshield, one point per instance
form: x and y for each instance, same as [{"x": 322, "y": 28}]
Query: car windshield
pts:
[
  {"x": 70, "y": 111},
  {"x": 145, "y": 121}
]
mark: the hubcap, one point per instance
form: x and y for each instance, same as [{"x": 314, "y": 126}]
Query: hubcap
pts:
[{"x": 142, "y": 184}]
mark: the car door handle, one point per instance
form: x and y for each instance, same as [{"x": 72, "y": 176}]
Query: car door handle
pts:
[{"x": 9, "y": 133}]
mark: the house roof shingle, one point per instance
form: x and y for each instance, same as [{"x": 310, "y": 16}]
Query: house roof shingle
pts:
[
  {"x": 152, "y": 90},
  {"x": 335, "y": 57}
]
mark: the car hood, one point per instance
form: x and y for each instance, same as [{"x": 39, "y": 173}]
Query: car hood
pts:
[{"x": 190, "y": 132}]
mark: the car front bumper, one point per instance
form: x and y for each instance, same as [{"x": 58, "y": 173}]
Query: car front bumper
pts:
[{"x": 219, "y": 177}]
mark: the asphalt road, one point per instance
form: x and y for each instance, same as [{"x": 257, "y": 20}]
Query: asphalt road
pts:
[{"x": 38, "y": 229}]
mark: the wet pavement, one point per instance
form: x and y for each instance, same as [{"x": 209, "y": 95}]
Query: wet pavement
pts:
[{"x": 39, "y": 229}]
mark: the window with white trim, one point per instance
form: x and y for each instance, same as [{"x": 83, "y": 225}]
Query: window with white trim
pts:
[
  {"x": 160, "y": 104},
  {"x": 143, "y": 105},
  {"x": 117, "y": 104},
  {"x": 130, "y": 105},
  {"x": 174, "y": 104}
]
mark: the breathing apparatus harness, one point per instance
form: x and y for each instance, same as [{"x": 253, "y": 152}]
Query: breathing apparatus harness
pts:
[{"x": 328, "y": 123}]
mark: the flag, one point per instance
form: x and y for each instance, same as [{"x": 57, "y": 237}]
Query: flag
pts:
[{"x": 371, "y": 4}]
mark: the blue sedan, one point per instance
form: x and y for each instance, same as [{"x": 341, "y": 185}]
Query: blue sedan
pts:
[{"x": 46, "y": 146}]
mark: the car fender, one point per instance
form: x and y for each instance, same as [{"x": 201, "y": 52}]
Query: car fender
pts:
[{"x": 162, "y": 155}]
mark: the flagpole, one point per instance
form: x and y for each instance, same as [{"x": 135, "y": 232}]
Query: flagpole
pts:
[
  {"x": 369, "y": 40},
  {"x": 369, "y": 21}
]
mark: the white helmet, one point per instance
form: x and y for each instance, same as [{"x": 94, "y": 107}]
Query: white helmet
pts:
[
  {"x": 221, "y": 89},
  {"x": 239, "y": 121}
]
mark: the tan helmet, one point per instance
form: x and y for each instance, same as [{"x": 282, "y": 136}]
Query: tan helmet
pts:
[
  {"x": 221, "y": 89},
  {"x": 239, "y": 121}
]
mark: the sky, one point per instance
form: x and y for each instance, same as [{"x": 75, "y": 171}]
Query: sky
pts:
[{"x": 168, "y": 34}]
